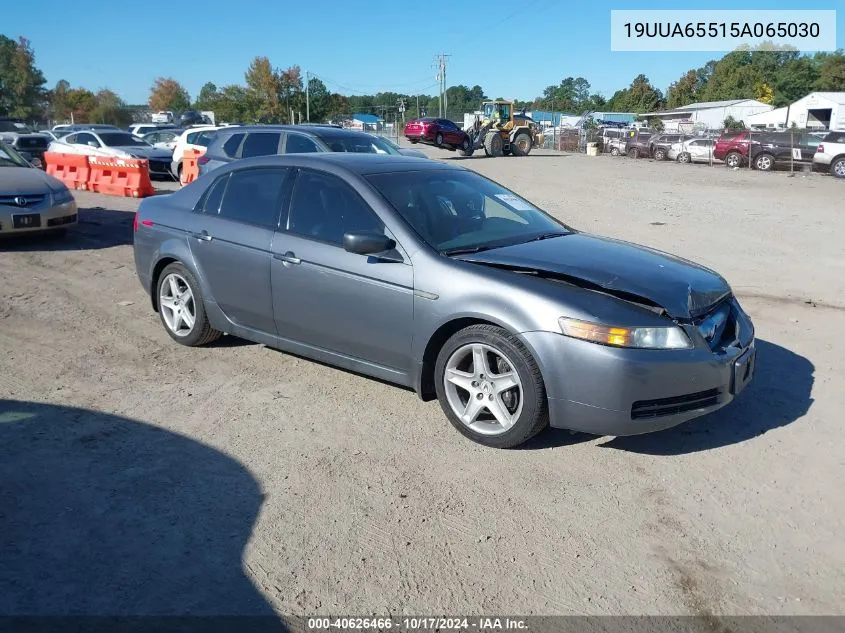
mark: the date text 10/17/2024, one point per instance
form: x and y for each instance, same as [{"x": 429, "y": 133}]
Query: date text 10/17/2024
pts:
[{"x": 417, "y": 623}]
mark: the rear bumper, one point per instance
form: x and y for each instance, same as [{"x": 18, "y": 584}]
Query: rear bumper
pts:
[
  {"x": 822, "y": 159},
  {"x": 615, "y": 391},
  {"x": 419, "y": 136}
]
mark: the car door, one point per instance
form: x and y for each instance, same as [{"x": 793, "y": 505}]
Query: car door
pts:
[
  {"x": 450, "y": 132},
  {"x": 324, "y": 296},
  {"x": 231, "y": 234}
]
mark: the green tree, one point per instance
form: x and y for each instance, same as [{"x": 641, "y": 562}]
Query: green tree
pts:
[
  {"x": 80, "y": 103},
  {"x": 291, "y": 92},
  {"x": 207, "y": 97},
  {"x": 639, "y": 97},
  {"x": 732, "y": 124},
  {"x": 319, "y": 99},
  {"x": 57, "y": 99},
  {"x": 110, "y": 109},
  {"x": 795, "y": 80},
  {"x": 235, "y": 105},
  {"x": 22, "y": 91},
  {"x": 167, "y": 94},
  {"x": 265, "y": 86},
  {"x": 831, "y": 72},
  {"x": 684, "y": 91}
]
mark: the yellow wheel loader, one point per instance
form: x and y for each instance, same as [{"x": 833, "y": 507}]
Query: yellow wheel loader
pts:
[{"x": 501, "y": 131}]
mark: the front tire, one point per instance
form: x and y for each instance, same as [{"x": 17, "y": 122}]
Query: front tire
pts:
[
  {"x": 614, "y": 151},
  {"x": 466, "y": 147},
  {"x": 684, "y": 157},
  {"x": 493, "y": 144},
  {"x": 490, "y": 387},
  {"x": 181, "y": 307},
  {"x": 438, "y": 140},
  {"x": 633, "y": 153},
  {"x": 660, "y": 154}
]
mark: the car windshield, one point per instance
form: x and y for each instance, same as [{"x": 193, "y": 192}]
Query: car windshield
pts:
[
  {"x": 10, "y": 158},
  {"x": 121, "y": 139},
  {"x": 462, "y": 212},
  {"x": 358, "y": 143},
  {"x": 14, "y": 126}
]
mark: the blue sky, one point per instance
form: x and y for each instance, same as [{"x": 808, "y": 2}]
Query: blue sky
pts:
[{"x": 355, "y": 47}]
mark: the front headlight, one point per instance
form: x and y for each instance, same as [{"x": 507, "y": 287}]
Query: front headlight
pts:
[
  {"x": 63, "y": 196},
  {"x": 671, "y": 337}
]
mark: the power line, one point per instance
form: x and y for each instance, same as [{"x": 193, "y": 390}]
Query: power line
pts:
[{"x": 383, "y": 88}]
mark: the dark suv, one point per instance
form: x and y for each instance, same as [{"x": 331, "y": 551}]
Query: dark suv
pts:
[
  {"x": 637, "y": 144},
  {"x": 659, "y": 144},
  {"x": 768, "y": 149},
  {"x": 263, "y": 140},
  {"x": 28, "y": 143}
]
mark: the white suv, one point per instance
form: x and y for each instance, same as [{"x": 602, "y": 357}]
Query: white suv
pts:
[
  {"x": 192, "y": 138},
  {"x": 831, "y": 152}
]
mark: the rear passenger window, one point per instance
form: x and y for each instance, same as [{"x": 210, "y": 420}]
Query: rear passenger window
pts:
[
  {"x": 230, "y": 147},
  {"x": 261, "y": 144},
  {"x": 253, "y": 196},
  {"x": 299, "y": 144},
  {"x": 211, "y": 201}
]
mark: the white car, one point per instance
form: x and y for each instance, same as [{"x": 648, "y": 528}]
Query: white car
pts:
[
  {"x": 115, "y": 144},
  {"x": 163, "y": 138},
  {"x": 163, "y": 117},
  {"x": 139, "y": 129},
  {"x": 831, "y": 153},
  {"x": 193, "y": 138},
  {"x": 695, "y": 150}
]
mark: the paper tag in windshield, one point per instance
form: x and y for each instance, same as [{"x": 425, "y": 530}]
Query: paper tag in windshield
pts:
[{"x": 515, "y": 202}]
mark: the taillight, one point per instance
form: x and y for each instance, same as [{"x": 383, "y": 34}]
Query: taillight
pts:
[
  {"x": 819, "y": 149},
  {"x": 202, "y": 160}
]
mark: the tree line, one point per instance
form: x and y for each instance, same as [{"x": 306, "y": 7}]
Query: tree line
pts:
[{"x": 272, "y": 94}]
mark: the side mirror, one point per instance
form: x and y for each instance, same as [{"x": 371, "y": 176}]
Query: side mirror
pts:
[{"x": 367, "y": 243}]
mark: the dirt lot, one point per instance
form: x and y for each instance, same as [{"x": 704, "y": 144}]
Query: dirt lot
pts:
[{"x": 138, "y": 476}]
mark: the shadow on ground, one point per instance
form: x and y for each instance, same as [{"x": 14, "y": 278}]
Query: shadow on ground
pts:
[
  {"x": 97, "y": 228},
  {"x": 101, "y": 515},
  {"x": 779, "y": 394}
]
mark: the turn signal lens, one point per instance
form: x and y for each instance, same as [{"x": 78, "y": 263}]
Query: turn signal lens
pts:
[{"x": 671, "y": 337}]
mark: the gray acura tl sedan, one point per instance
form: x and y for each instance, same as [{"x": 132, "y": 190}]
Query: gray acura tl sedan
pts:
[{"x": 436, "y": 278}]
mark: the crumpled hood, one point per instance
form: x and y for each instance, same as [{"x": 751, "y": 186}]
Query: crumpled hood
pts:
[
  {"x": 26, "y": 180},
  {"x": 682, "y": 288}
]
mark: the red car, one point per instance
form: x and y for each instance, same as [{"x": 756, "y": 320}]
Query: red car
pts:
[
  {"x": 732, "y": 147},
  {"x": 440, "y": 132}
]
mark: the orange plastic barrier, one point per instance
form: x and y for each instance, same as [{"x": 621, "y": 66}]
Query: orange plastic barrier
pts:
[
  {"x": 125, "y": 177},
  {"x": 72, "y": 169},
  {"x": 190, "y": 169}
]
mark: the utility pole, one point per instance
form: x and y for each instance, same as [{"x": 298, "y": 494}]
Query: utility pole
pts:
[
  {"x": 440, "y": 64},
  {"x": 419, "y": 112},
  {"x": 307, "y": 99}
]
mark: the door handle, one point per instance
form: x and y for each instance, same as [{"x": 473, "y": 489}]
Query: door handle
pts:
[
  {"x": 204, "y": 236},
  {"x": 287, "y": 258}
]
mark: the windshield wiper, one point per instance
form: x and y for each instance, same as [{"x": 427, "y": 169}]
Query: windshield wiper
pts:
[
  {"x": 545, "y": 236},
  {"x": 467, "y": 250}
]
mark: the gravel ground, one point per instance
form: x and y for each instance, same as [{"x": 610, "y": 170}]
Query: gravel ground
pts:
[{"x": 141, "y": 477}]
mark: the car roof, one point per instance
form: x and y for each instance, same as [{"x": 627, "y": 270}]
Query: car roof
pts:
[{"x": 357, "y": 163}]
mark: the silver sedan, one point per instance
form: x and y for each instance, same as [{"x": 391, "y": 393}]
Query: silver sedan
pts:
[
  {"x": 30, "y": 200},
  {"x": 436, "y": 278}
]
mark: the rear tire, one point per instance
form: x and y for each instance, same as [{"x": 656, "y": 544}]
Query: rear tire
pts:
[
  {"x": 660, "y": 154},
  {"x": 837, "y": 167},
  {"x": 200, "y": 332},
  {"x": 734, "y": 159},
  {"x": 493, "y": 144},
  {"x": 764, "y": 162},
  {"x": 684, "y": 157},
  {"x": 526, "y": 401},
  {"x": 438, "y": 140},
  {"x": 614, "y": 151}
]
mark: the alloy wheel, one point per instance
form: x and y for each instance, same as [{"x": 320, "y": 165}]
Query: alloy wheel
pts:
[
  {"x": 483, "y": 388},
  {"x": 176, "y": 303},
  {"x": 839, "y": 168}
]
